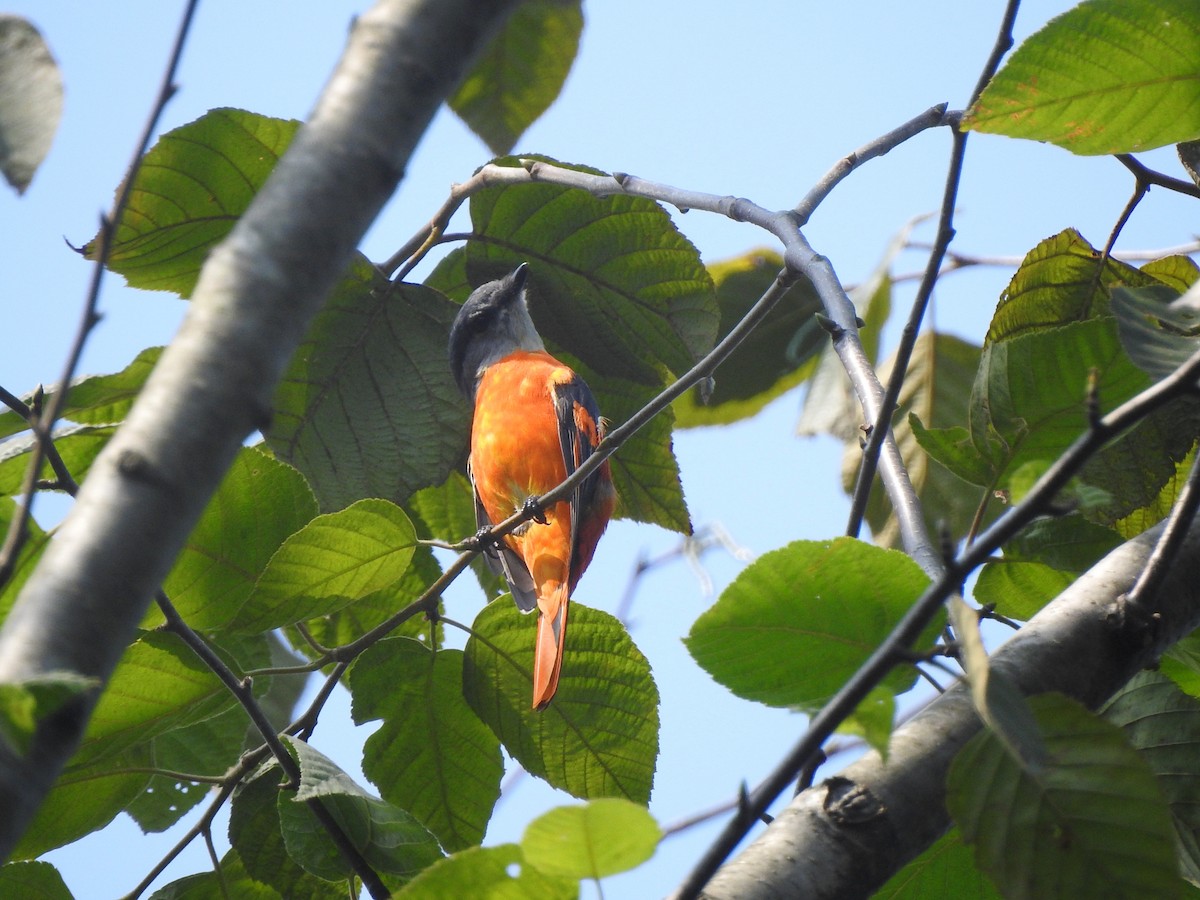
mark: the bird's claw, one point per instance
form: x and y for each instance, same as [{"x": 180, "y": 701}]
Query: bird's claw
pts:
[{"x": 532, "y": 507}]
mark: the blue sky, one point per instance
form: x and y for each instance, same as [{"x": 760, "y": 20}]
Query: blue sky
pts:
[{"x": 757, "y": 103}]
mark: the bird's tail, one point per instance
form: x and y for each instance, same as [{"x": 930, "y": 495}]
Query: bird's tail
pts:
[{"x": 548, "y": 649}]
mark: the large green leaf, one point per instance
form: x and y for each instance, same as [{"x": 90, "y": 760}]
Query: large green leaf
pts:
[
  {"x": 191, "y": 188},
  {"x": 521, "y": 72},
  {"x": 946, "y": 871},
  {"x": 94, "y": 399},
  {"x": 1108, "y": 76},
  {"x": 611, "y": 280},
  {"x": 432, "y": 756},
  {"x": 259, "y": 504},
  {"x": 31, "y": 551},
  {"x": 592, "y": 841},
  {"x": 1090, "y": 821},
  {"x": 599, "y": 738},
  {"x": 332, "y": 561},
  {"x": 368, "y": 407},
  {"x": 798, "y": 621},
  {"x": 387, "y": 837},
  {"x": 774, "y": 358},
  {"x": 498, "y": 872}
]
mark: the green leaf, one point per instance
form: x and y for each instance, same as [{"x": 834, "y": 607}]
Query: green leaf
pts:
[
  {"x": 946, "y": 870},
  {"x": 1108, "y": 76},
  {"x": 1051, "y": 830},
  {"x": 353, "y": 621},
  {"x": 1163, "y": 725},
  {"x": 31, "y": 552},
  {"x": 598, "y": 839},
  {"x": 432, "y": 756},
  {"x": 937, "y": 390},
  {"x": 260, "y": 502},
  {"x": 78, "y": 446},
  {"x": 257, "y": 838},
  {"x": 106, "y": 399},
  {"x": 31, "y": 97},
  {"x": 389, "y": 839},
  {"x": 1019, "y": 589},
  {"x": 1159, "y": 329},
  {"x": 493, "y": 872},
  {"x": 775, "y": 357},
  {"x": 798, "y": 621},
  {"x": 599, "y": 738},
  {"x": 873, "y": 719},
  {"x": 84, "y": 800},
  {"x": 1030, "y": 403},
  {"x": 611, "y": 280},
  {"x": 231, "y": 882},
  {"x": 32, "y": 881},
  {"x": 1061, "y": 280},
  {"x": 332, "y": 561},
  {"x": 521, "y": 72},
  {"x": 367, "y": 407},
  {"x": 191, "y": 188}
]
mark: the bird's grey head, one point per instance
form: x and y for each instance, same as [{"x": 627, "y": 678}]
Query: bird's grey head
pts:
[{"x": 493, "y": 323}]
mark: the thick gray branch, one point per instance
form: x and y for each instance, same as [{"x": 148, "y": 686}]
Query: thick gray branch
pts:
[
  {"x": 1073, "y": 646},
  {"x": 213, "y": 387}
]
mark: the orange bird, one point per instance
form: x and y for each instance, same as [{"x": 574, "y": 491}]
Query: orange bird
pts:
[{"x": 535, "y": 423}]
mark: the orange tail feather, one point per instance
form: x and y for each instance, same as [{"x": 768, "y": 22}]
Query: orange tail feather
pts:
[{"x": 548, "y": 649}]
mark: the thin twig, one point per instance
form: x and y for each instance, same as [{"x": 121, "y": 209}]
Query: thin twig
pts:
[
  {"x": 882, "y": 424},
  {"x": 1149, "y": 176},
  {"x": 1170, "y": 542},
  {"x": 44, "y": 425}
]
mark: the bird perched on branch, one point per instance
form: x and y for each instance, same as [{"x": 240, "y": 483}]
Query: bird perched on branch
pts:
[{"x": 535, "y": 423}]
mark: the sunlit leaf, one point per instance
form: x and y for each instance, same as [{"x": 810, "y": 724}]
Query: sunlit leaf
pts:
[
  {"x": 332, "y": 561},
  {"x": 498, "y": 872},
  {"x": 1107, "y": 76},
  {"x": 231, "y": 881},
  {"x": 260, "y": 503},
  {"x": 592, "y": 841},
  {"x": 798, "y": 621},
  {"x": 190, "y": 190}
]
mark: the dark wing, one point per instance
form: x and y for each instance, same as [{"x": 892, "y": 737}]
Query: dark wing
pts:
[
  {"x": 578, "y": 434},
  {"x": 503, "y": 561}
]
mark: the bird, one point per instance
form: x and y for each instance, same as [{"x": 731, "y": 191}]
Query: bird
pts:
[{"x": 535, "y": 421}]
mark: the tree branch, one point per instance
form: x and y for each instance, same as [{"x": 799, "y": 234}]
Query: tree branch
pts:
[{"x": 256, "y": 295}]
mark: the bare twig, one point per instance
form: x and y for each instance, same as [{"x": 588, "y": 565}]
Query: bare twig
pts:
[{"x": 1151, "y": 177}]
